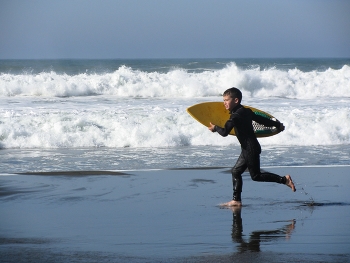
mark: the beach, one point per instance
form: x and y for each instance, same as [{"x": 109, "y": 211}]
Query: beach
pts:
[{"x": 174, "y": 215}]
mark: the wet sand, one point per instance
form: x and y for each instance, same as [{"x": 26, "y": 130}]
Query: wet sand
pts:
[{"x": 173, "y": 216}]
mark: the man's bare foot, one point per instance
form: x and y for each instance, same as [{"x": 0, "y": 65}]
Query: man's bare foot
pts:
[
  {"x": 235, "y": 209},
  {"x": 232, "y": 203},
  {"x": 289, "y": 182}
]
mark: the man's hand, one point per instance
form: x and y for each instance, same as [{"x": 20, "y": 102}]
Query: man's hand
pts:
[
  {"x": 211, "y": 127},
  {"x": 281, "y": 127}
]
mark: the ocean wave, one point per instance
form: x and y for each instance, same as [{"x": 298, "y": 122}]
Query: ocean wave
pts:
[
  {"x": 179, "y": 83},
  {"x": 163, "y": 125}
]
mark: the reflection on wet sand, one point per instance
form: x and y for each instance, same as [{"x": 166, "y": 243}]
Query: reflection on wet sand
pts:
[{"x": 256, "y": 237}]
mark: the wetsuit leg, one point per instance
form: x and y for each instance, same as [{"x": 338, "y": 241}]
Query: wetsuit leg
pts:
[
  {"x": 253, "y": 162},
  {"x": 237, "y": 181}
]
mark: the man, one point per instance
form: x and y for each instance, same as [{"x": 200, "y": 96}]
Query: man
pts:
[{"x": 241, "y": 121}]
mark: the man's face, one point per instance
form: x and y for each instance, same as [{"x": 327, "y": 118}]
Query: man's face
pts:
[{"x": 230, "y": 103}]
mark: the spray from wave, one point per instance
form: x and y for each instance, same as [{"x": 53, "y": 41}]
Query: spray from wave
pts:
[{"x": 179, "y": 83}]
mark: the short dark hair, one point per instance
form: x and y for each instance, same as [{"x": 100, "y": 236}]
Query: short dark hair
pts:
[{"x": 233, "y": 93}]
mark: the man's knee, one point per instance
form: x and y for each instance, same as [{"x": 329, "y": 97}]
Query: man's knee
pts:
[
  {"x": 236, "y": 173},
  {"x": 255, "y": 176}
]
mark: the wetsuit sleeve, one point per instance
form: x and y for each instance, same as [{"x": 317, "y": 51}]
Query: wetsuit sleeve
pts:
[
  {"x": 227, "y": 129},
  {"x": 265, "y": 121}
]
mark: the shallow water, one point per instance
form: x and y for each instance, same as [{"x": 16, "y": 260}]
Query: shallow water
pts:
[{"x": 97, "y": 159}]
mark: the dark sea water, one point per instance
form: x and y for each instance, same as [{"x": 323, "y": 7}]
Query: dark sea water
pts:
[{"x": 92, "y": 66}]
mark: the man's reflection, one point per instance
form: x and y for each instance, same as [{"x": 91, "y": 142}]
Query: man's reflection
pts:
[{"x": 256, "y": 236}]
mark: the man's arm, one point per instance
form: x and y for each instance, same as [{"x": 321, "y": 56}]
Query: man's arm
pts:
[
  {"x": 267, "y": 122},
  {"x": 222, "y": 131}
]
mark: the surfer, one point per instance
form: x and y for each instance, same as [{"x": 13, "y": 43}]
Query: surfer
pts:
[{"x": 241, "y": 121}]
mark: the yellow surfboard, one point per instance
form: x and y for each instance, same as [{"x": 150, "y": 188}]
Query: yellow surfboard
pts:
[{"x": 216, "y": 113}]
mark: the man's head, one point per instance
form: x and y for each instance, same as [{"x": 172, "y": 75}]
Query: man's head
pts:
[
  {"x": 232, "y": 97},
  {"x": 234, "y": 93}
]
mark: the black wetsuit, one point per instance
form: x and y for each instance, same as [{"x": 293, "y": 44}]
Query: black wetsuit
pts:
[{"x": 241, "y": 121}]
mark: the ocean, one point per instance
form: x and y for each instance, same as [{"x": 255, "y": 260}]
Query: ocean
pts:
[
  {"x": 100, "y": 162},
  {"x": 131, "y": 114}
]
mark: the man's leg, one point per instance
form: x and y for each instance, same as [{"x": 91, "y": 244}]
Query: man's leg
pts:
[
  {"x": 253, "y": 162},
  {"x": 237, "y": 181}
]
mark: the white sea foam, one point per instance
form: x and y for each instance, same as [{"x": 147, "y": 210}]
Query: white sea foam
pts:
[
  {"x": 131, "y": 108},
  {"x": 157, "y": 123},
  {"x": 126, "y": 82}
]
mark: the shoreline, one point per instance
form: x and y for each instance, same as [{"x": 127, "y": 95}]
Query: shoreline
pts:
[
  {"x": 187, "y": 157},
  {"x": 125, "y": 171}
]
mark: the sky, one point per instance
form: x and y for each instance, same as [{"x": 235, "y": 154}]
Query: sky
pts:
[{"x": 110, "y": 29}]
